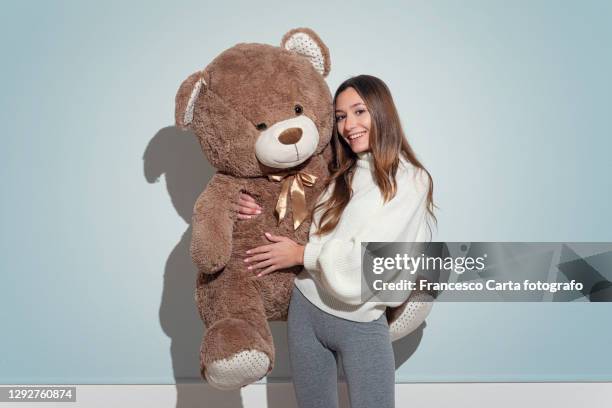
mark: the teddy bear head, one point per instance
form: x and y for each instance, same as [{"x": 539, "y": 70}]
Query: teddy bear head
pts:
[{"x": 258, "y": 109}]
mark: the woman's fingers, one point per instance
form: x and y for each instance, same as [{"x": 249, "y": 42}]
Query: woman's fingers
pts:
[
  {"x": 237, "y": 209},
  {"x": 278, "y": 255},
  {"x": 259, "y": 249},
  {"x": 247, "y": 197},
  {"x": 248, "y": 201},
  {"x": 248, "y": 204},
  {"x": 274, "y": 238},
  {"x": 262, "y": 264},
  {"x": 266, "y": 271},
  {"x": 259, "y": 257},
  {"x": 246, "y": 207}
]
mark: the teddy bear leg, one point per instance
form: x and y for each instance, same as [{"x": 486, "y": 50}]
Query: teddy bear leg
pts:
[
  {"x": 237, "y": 351},
  {"x": 406, "y": 318}
]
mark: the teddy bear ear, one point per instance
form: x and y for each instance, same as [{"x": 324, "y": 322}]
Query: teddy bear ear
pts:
[
  {"x": 186, "y": 98},
  {"x": 306, "y": 42}
]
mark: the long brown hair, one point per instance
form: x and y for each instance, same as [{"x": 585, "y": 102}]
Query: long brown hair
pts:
[{"x": 387, "y": 141}]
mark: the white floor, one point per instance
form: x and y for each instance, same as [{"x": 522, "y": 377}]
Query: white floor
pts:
[{"x": 470, "y": 395}]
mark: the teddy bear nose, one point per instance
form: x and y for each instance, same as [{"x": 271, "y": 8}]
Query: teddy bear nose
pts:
[{"x": 290, "y": 136}]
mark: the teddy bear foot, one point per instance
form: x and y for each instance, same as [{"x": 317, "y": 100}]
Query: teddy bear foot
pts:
[
  {"x": 415, "y": 312},
  {"x": 238, "y": 370}
]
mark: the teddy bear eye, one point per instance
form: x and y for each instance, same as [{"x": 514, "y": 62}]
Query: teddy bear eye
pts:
[
  {"x": 298, "y": 109},
  {"x": 262, "y": 126}
]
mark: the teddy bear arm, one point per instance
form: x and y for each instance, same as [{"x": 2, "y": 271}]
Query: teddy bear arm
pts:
[{"x": 213, "y": 224}]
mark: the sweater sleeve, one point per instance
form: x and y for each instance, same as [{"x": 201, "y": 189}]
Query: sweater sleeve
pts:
[{"x": 337, "y": 262}]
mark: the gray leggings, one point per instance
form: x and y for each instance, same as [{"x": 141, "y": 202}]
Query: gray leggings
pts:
[{"x": 317, "y": 339}]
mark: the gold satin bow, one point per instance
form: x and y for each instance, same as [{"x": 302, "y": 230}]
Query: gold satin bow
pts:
[{"x": 293, "y": 184}]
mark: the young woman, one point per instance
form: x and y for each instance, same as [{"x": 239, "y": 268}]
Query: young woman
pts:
[{"x": 378, "y": 191}]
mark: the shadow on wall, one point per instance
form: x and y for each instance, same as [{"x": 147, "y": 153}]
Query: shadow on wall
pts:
[{"x": 177, "y": 155}]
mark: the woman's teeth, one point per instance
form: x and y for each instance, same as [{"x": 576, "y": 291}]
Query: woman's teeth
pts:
[{"x": 356, "y": 135}]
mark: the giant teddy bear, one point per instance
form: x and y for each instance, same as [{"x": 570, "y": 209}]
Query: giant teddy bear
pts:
[{"x": 263, "y": 116}]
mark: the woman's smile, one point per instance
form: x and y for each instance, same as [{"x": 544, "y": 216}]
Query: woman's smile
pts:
[{"x": 357, "y": 135}]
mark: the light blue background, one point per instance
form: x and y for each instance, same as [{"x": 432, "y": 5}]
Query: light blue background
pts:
[{"x": 507, "y": 104}]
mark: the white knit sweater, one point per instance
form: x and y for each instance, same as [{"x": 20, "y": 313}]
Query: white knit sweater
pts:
[{"x": 332, "y": 262}]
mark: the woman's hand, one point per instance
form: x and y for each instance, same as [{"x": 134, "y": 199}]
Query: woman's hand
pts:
[
  {"x": 246, "y": 207},
  {"x": 282, "y": 253}
]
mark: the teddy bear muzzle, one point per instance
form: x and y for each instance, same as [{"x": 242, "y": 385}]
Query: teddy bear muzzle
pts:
[{"x": 287, "y": 143}]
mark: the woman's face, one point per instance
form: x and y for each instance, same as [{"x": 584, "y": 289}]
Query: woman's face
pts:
[{"x": 353, "y": 120}]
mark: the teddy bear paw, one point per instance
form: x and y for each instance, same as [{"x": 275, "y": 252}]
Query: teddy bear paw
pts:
[
  {"x": 415, "y": 312},
  {"x": 238, "y": 370}
]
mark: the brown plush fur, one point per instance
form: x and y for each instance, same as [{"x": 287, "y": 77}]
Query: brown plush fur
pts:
[{"x": 246, "y": 85}]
